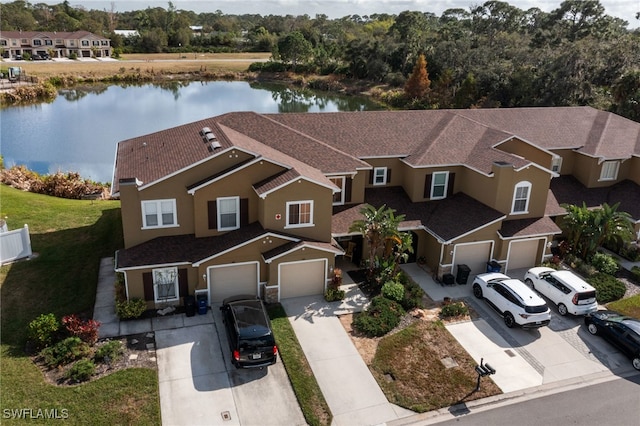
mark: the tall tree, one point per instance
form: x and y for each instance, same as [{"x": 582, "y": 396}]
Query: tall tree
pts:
[
  {"x": 294, "y": 48},
  {"x": 418, "y": 84}
]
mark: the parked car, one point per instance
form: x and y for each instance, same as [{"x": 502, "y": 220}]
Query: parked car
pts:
[
  {"x": 570, "y": 293},
  {"x": 511, "y": 298},
  {"x": 249, "y": 332},
  {"x": 36, "y": 57},
  {"x": 622, "y": 331}
]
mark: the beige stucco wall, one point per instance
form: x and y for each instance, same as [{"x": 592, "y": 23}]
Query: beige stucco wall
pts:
[
  {"x": 275, "y": 205},
  {"x": 360, "y": 180},
  {"x": 174, "y": 187},
  {"x": 528, "y": 151},
  {"x": 136, "y": 288},
  {"x": 238, "y": 184},
  {"x": 634, "y": 169},
  {"x": 414, "y": 180},
  {"x": 394, "y": 164},
  {"x": 568, "y": 160}
]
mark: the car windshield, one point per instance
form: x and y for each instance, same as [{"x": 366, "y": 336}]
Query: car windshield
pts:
[{"x": 536, "y": 309}]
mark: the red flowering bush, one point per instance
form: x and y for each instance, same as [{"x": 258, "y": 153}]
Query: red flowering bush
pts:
[{"x": 87, "y": 330}]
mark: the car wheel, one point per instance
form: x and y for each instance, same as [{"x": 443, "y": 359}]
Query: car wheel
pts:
[
  {"x": 509, "y": 321},
  {"x": 530, "y": 283},
  {"x": 562, "y": 309},
  {"x": 477, "y": 291},
  {"x": 593, "y": 329},
  {"x": 636, "y": 363}
]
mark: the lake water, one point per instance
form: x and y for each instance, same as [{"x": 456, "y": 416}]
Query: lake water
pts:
[{"x": 79, "y": 130}]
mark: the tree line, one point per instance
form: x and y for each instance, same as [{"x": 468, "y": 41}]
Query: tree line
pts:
[{"x": 490, "y": 55}]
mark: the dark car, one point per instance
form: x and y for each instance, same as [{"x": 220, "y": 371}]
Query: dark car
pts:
[
  {"x": 622, "y": 331},
  {"x": 249, "y": 332}
]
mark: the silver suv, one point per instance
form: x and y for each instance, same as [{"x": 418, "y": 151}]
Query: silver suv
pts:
[
  {"x": 569, "y": 292},
  {"x": 517, "y": 303}
]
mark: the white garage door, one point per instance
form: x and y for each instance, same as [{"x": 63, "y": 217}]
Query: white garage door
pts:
[
  {"x": 225, "y": 281},
  {"x": 302, "y": 278},
  {"x": 475, "y": 256},
  {"x": 523, "y": 254}
]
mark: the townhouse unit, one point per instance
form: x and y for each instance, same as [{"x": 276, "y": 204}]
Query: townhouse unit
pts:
[
  {"x": 55, "y": 44},
  {"x": 262, "y": 203}
]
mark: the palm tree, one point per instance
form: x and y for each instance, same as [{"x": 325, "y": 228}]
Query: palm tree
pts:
[
  {"x": 377, "y": 227},
  {"x": 587, "y": 230}
]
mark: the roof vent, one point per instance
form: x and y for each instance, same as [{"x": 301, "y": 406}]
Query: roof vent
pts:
[
  {"x": 210, "y": 137},
  {"x": 204, "y": 131},
  {"x": 216, "y": 145}
]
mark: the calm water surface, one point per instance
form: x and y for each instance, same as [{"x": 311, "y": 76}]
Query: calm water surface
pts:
[{"x": 80, "y": 129}]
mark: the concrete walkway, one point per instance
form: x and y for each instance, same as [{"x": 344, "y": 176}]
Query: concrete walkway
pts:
[{"x": 351, "y": 392}]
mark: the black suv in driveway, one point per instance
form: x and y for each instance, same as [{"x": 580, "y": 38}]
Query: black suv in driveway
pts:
[{"x": 250, "y": 336}]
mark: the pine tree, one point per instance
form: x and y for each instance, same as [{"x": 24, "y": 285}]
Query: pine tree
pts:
[{"x": 418, "y": 85}]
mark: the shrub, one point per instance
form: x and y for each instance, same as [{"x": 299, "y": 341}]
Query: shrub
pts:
[
  {"x": 87, "y": 330},
  {"x": 455, "y": 309},
  {"x": 605, "y": 263},
  {"x": 608, "y": 287},
  {"x": 382, "y": 316},
  {"x": 109, "y": 352},
  {"x": 64, "y": 352},
  {"x": 631, "y": 252},
  {"x": 412, "y": 295},
  {"x": 42, "y": 329},
  {"x": 334, "y": 294},
  {"x": 635, "y": 272},
  {"x": 131, "y": 308},
  {"x": 586, "y": 270},
  {"x": 393, "y": 290},
  {"x": 81, "y": 370}
]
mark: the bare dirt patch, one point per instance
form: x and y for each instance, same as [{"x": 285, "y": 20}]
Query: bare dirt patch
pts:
[{"x": 138, "y": 352}]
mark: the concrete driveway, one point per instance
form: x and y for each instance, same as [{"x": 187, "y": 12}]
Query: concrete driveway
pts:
[
  {"x": 526, "y": 358},
  {"x": 199, "y": 385}
]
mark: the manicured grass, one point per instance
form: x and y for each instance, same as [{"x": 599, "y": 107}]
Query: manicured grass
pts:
[
  {"x": 146, "y": 64},
  {"x": 312, "y": 402},
  {"x": 408, "y": 367},
  {"x": 629, "y": 306},
  {"x": 69, "y": 237}
]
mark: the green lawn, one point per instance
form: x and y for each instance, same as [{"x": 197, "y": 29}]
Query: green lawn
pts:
[
  {"x": 69, "y": 237},
  {"x": 629, "y": 306}
]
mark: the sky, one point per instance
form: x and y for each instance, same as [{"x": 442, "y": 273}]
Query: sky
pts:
[{"x": 624, "y": 9}]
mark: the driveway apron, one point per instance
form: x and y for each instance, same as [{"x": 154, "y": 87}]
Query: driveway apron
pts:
[
  {"x": 199, "y": 386},
  {"x": 351, "y": 392}
]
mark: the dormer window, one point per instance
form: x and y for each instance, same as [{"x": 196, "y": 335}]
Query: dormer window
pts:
[
  {"x": 521, "y": 195},
  {"x": 609, "y": 170}
]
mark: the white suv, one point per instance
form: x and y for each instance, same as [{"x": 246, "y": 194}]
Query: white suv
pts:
[
  {"x": 569, "y": 292},
  {"x": 516, "y": 302}
]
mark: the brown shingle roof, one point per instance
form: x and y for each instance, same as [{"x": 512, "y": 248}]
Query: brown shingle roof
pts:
[
  {"x": 449, "y": 219},
  {"x": 529, "y": 227},
  {"x": 568, "y": 190}
]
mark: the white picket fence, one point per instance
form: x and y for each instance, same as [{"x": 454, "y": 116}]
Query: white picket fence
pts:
[{"x": 15, "y": 245}]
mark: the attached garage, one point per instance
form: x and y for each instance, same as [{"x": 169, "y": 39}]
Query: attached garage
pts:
[
  {"x": 474, "y": 255},
  {"x": 303, "y": 278},
  {"x": 523, "y": 254},
  {"x": 231, "y": 280}
]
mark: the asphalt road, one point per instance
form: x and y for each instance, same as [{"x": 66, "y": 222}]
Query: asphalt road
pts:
[{"x": 615, "y": 402}]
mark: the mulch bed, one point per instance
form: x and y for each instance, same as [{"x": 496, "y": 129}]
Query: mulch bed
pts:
[{"x": 139, "y": 352}]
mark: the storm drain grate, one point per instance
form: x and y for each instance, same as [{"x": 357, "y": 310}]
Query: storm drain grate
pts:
[
  {"x": 510, "y": 353},
  {"x": 226, "y": 416}
]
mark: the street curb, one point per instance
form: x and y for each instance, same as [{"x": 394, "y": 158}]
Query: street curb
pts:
[{"x": 479, "y": 405}]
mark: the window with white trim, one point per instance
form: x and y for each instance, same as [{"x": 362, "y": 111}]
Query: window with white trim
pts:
[
  {"x": 609, "y": 170},
  {"x": 228, "y": 210},
  {"x": 439, "y": 182},
  {"x": 379, "y": 175},
  {"x": 85, "y": 42},
  {"x": 165, "y": 285},
  {"x": 159, "y": 213},
  {"x": 556, "y": 164},
  {"x": 521, "y": 195},
  {"x": 338, "y": 197},
  {"x": 299, "y": 214}
]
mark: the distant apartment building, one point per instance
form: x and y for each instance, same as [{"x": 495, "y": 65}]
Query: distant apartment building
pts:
[{"x": 55, "y": 44}]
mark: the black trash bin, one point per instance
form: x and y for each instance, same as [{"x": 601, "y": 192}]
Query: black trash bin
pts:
[
  {"x": 190, "y": 305},
  {"x": 202, "y": 304},
  {"x": 463, "y": 274},
  {"x": 493, "y": 266}
]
